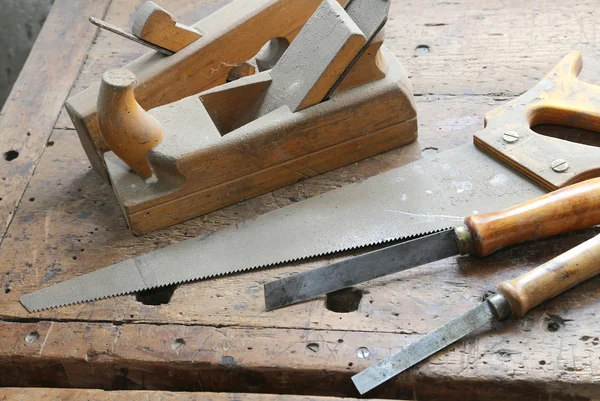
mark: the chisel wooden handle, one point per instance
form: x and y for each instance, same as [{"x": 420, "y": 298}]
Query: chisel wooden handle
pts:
[
  {"x": 568, "y": 209},
  {"x": 553, "y": 277}
]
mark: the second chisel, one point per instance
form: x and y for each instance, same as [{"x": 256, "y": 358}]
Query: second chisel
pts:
[
  {"x": 514, "y": 297},
  {"x": 568, "y": 209}
]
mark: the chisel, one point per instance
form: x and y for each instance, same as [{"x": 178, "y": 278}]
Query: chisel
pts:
[
  {"x": 515, "y": 297},
  {"x": 568, "y": 209}
]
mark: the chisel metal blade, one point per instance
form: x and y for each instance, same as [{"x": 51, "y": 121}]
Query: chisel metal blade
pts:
[
  {"x": 423, "y": 348},
  {"x": 346, "y": 273}
]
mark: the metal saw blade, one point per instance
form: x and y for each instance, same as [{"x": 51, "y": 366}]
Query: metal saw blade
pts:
[{"x": 424, "y": 196}]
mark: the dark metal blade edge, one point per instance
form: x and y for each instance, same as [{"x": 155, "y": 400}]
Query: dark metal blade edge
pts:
[
  {"x": 346, "y": 273},
  {"x": 431, "y": 343}
]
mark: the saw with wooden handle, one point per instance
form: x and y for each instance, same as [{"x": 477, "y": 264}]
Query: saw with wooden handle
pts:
[
  {"x": 422, "y": 197},
  {"x": 515, "y": 297},
  {"x": 571, "y": 208}
]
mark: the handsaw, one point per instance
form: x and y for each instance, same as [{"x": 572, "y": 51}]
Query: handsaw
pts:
[
  {"x": 514, "y": 297},
  {"x": 568, "y": 209},
  {"x": 413, "y": 200}
]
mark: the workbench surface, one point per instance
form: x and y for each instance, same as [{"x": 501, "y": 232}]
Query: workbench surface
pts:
[
  {"x": 61, "y": 394},
  {"x": 60, "y": 220}
]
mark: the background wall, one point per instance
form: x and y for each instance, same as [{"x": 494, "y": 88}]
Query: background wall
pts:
[{"x": 20, "y": 23}]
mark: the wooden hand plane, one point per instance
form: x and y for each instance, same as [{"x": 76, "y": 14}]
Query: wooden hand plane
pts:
[
  {"x": 336, "y": 95},
  {"x": 226, "y": 39}
]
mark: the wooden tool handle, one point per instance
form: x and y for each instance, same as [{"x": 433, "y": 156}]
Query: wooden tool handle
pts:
[
  {"x": 553, "y": 277},
  {"x": 128, "y": 129},
  {"x": 568, "y": 209}
]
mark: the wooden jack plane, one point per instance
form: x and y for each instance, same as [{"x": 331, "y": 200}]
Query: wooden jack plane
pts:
[{"x": 176, "y": 140}]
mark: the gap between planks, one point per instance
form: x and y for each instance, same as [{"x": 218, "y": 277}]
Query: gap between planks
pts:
[{"x": 118, "y": 323}]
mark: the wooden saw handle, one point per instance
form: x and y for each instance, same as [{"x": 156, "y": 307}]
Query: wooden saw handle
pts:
[
  {"x": 552, "y": 278},
  {"x": 568, "y": 209}
]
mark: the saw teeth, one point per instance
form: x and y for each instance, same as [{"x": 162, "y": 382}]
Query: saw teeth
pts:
[
  {"x": 298, "y": 259},
  {"x": 385, "y": 241}
]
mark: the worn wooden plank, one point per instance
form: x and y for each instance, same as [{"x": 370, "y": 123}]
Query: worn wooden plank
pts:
[
  {"x": 55, "y": 394},
  {"x": 29, "y": 114},
  {"x": 501, "y": 362}
]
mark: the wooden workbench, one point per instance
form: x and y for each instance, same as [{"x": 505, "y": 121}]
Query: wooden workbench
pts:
[
  {"x": 60, "y": 220},
  {"x": 57, "y": 394}
]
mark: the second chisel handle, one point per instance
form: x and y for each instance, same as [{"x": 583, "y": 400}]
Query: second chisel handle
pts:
[
  {"x": 568, "y": 209},
  {"x": 553, "y": 277}
]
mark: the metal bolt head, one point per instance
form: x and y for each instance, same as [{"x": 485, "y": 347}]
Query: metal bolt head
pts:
[
  {"x": 560, "y": 165},
  {"x": 510, "y": 136},
  {"x": 362, "y": 352},
  {"x": 32, "y": 337}
]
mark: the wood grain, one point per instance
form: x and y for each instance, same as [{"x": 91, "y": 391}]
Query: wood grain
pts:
[
  {"x": 552, "y": 278},
  {"x": 204, "y": 64},
  {"x": 127, "y": 129},
  {"x": 314, "y": 61},
  {"x": 54, "y": 394},
  {"x": 201, "y": 166},
  {"x": 568, "y": 209},
  {"x": 448, "y": 48},
  {"x": 150, "y": 216},
  {"x": 31, "y": 110}
]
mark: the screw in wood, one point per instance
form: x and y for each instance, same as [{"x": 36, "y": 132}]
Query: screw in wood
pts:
[
  {"x": 560, "y": 165},
  {"x": 510, "y": 136},
  {"x": 362, "y": 352},
  {"x": 32, "y": 337}
]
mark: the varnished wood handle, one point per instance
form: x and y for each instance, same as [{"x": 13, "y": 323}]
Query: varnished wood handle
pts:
[
  {"x": 128, "y": 129},
  {"x": 568, "y": 209},
  {"x": 552, "y": 278}
]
